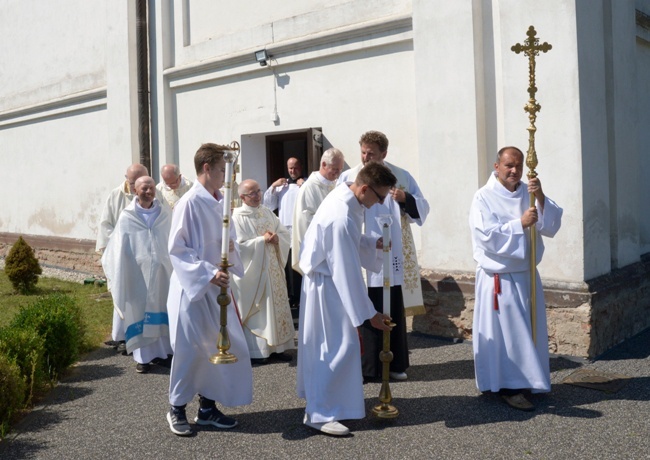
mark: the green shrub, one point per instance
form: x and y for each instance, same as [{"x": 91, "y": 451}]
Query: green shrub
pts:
[
  {"x": 22, "y": 267},
  {"x": 12, "y": 392},
  {"x": 57, "y": 319},
  {"x": 26, "y": 349}
]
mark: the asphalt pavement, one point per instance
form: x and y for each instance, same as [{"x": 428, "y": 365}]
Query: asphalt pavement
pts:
[{"x": 104, "y": 410}]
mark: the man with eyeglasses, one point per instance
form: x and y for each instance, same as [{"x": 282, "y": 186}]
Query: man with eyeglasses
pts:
[
  {"x": 406, "y": 204},
  {"x": 173, "y": 184},
  {"x": 335, "y": 303},
  {"x": 262, "y": 292}
]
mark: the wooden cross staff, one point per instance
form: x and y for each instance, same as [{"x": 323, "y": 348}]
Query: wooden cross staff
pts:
[{"x": 531, "y": 48}]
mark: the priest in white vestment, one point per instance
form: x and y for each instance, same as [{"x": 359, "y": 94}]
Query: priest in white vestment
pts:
[
  {"x": 506, "y": 359},
  {"x": 173, "y": 184},
  {"x": 281, "y": 195},
  {"x": 311, "y": 195},
  {"x": 136, "y": 263},
  {"x": 335, "y": 301},
  {"x": 194, "y": 314},
  {"x": 406, "y": 204},
  {"x": 119, "y": 198},
  {"x": 262, "y": 292}
]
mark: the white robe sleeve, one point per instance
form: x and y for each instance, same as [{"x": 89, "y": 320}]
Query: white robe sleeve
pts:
[
  {"x": 494, "y": 237},
  {"x": 550, "y": 218},
  {"x": 371, "y": 257},
  {"x": 194, "y": 274},
  {"x": 270, "y": 199},
  {"x": 422, "y": 204}
]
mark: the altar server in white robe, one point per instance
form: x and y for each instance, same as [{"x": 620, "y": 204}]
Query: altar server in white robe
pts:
[
  {"x": 311, "y": 195},
  {"x": 335, "y": 301},
  {"x": 173, "y": 184},
  {"x": 406, "y": 204},
  {"x": 119, "y": 198},
  {"x": 195, "y": 252},
  {"x": 262, "y": 292},
  {"x": 136, "y": 263},
  {"x": 506, "y": 360}
]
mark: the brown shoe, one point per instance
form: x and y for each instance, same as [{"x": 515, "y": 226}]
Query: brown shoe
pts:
[{"x": 518, "y": 402}]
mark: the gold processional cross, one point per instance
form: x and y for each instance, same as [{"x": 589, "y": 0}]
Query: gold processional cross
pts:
[{"x": 531, "y": 48}]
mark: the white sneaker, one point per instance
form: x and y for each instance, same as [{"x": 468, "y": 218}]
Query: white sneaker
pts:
[
  {"x": 398, "y": 375},
  {"x": 334, "y": 428}
]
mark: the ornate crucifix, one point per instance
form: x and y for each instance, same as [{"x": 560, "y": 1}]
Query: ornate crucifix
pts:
[{"x": 531, "y": 48}]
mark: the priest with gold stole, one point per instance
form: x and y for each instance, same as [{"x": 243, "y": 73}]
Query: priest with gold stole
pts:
[
  {"x": 406, "y": 204},
  {"x": 261, "y": 293}
]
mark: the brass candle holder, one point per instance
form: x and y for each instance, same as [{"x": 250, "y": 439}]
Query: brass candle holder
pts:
[
  {"x": 385, "y": 410},
  {"x": 223, "y": 341},
  {"x": 223, "y": 299}
]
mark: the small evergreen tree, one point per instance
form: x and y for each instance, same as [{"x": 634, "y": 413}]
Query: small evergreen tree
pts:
[{"x": 22, "y": 267}]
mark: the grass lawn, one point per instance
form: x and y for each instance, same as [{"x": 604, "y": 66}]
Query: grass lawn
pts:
[{"x": 95, "y": 302}]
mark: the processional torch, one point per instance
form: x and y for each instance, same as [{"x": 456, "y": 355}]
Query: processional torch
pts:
[
  {"x": 386, "y": 409},
  {"x": 223, "y": 299},
  {"x": 531, "y": 48}
]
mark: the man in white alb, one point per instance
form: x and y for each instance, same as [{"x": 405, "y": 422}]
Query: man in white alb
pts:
[
  {"x": 311, "y": 195},
  {"x": 137, "y": 266},
  {"x": 119, "y": 198},
  {"x": 335, "y": 302},
  {"x": 194, "y": 314},
  {"x": 506, "y": 359}
]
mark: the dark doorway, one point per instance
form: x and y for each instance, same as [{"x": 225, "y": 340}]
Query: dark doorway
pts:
[{"x": 305, "y": 145}]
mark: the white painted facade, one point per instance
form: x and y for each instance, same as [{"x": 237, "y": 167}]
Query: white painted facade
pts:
[{"x": 437, "y": 76}]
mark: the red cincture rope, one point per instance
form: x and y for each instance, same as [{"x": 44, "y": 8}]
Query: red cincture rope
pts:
[{"x": 497, "y": 291}]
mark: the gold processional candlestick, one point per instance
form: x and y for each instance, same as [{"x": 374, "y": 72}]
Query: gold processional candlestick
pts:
[
  {"x": 223, "y": 299},
  {"x": 531, "y": 48},
  {"x": 385, "y": 409}
]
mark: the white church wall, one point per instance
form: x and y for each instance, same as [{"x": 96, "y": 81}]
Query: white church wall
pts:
[
  {"x": 373, "y": 96},
  {"x": 345, "y": 67},
  {"x": 594, "y": 135},
  {"x": 50, "y": 50},
  {"x": 624, "y": 153},
  {"x": 448, "y": 128},
  {"x": 467, "y": 110},
  {"x": 53, "y": 117},
  {"x": 643, "y": 101}
]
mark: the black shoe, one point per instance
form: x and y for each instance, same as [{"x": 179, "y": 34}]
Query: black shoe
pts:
[
  {"x": 166, "y": 362},
  {"x": 214, "y": 417},
  {"x": 178, "y": 422},
  {"x": 282, "y": 357},
  {"x": 121, "y": 347},
  {"x": 142, "y": 368},
  {"x": 259, "y": 361}
]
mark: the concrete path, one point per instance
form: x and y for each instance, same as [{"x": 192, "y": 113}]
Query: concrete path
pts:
[{"x": 104, "y": 410}]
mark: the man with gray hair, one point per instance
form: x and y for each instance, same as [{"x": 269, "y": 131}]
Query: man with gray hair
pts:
[
  {"x": 173, "y": 184},
  {"x": 119, "y": 198},
  {"x": 262, "y": 292},
  {"x": 311, "y": 195}
]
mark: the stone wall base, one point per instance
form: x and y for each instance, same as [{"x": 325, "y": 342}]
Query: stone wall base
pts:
[
  {"x": 584, "y": 319},
  {"x": 73, "y": 254}
]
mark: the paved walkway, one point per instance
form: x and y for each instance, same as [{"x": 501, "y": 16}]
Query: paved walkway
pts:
[{"x": 104, "y": 410}]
